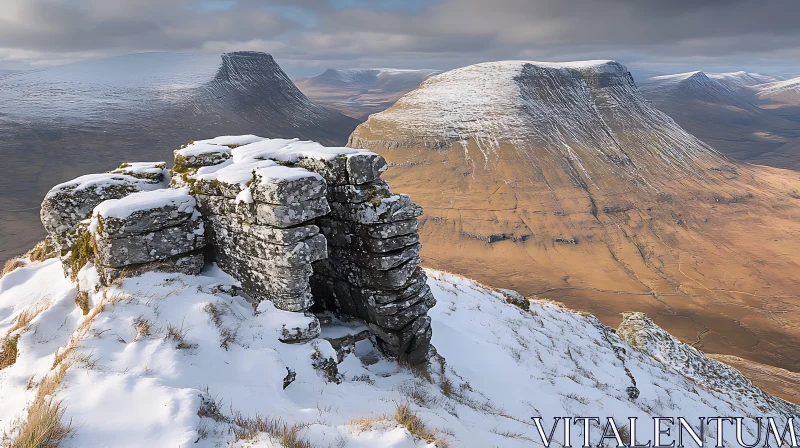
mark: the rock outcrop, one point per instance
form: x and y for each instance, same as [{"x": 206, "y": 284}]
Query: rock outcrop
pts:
[
  {"x": 158, "y": 230},
  {"x": 296, "y": 223}
]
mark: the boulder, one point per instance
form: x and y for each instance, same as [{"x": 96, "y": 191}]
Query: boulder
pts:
[
  {"x": 285, "y": 185},
  {"x": 68, "y": 203},
  {"x": 200, "y": 154},
  {"x": 144, "y": 212},
  {"x": 148, "y": 247}
]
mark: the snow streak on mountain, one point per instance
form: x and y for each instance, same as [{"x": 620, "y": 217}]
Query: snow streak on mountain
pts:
[{"x": 564, "y": 180}]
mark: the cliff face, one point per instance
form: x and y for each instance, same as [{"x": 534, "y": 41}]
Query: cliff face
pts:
[
  {"x": 91, "y": 115},
  {"x": 562, "y": 179}
]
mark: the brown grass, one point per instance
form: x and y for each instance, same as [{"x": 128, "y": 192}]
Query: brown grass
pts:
[
  {"x": 178, "y": 336},
  {"x": 42, "y": 427},
  {"x": 9, "y": 344},
  {"x": 82, "y": 301},
  {"x": 289, "y": 436},
  {"x": 414, "y": 424},
  {"x": 8, "y": 351},
  {"x": 11, "y": 265},
  {"x": 42, "y": 250},
  {"x": 366, "y": 423}
]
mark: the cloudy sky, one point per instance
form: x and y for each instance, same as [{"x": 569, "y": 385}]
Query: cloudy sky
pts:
[{"x": 307, "y": 36}]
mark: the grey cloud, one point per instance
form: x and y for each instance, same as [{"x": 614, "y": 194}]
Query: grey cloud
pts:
[{"x": 705, "y": 34}]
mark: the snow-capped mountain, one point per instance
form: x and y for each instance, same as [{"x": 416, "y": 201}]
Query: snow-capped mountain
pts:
[
  {"x": 360, "y": 92},
  {"x": 564, "y": 180},
  {"x": 742, "y": 80},
  {"x": 781, "y": 97},
  {"x": 719, "y": 109},
  {"x": 141, "y": 363},
  {"x": 91, "y": 115}
]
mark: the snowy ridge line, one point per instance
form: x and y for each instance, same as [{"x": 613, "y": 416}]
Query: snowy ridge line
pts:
[{"x": 129, "y": 383}]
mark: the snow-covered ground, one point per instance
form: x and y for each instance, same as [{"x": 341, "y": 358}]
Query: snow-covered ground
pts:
[{"x": 174, "y": 360}]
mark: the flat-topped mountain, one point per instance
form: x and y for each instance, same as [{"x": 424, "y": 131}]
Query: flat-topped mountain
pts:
[
  {"x": 720, "y": 110},
  {"x": 360, "y": 92},
  {"x": 90, "y": 115},
  {"x": 562, "y": 179}
]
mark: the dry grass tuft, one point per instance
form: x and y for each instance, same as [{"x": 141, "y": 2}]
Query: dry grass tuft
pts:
[
  {"x": 42, "y": 427},
  {"x": 414, "y": 424},
  {"x": 289, "y": 436},
  {"x": 11, "y": 265},
  {"x": 43, "y": 250},
  {"x": 142, "y": 327},
  {"x": 82, "y": 301},
  {"x": 8, "y": 351},
  {"x": 178, "y": 336},
  {"x": 9, "y": 344},
  {"x": 366, "y": 423}
]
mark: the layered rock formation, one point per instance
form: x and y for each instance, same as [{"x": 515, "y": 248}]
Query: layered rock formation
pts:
[
  {"x": 158, "y": 230},
  {"x": 296, "y": 223},
  {"x": 563, "y": 180}
]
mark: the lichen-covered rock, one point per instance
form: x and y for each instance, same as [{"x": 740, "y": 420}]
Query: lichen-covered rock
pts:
[
  {"x": 282, "y": 216},
  {"x": 284, "y": 185},
  {"x": 370, "y": 278},
  {"x": 394, "y": 208},
  {"x": 267, "y": 234},
  {"x": 301, "y": 334},
  {"x": 370, "y": 192},
  {"x": 148, "y": 247},
  {"x": 380, "y": 261},
  {"x": 287, "y": 287},
  {"x": 68, "y": 203},
  {"x": 189, "y": 264},
  {"x": 201, "y": 154},
  {"x": 301, "y": 252},
  {"x": 144, "y": 212},
  {"x": 286, "y": 215},
  {"x": 156, "y": 172},
  {"x": 362, "y": 237}
]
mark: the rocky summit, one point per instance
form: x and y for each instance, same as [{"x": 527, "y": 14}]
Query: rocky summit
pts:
[
  {"x": 304, "y": 226},
  {"x": 563, "y": 180}
]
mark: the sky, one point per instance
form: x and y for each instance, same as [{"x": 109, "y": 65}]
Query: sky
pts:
[{"x": 308, "y": 36}]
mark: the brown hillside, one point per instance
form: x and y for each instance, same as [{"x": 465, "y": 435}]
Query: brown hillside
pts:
[{"x": 563, "y": 181}]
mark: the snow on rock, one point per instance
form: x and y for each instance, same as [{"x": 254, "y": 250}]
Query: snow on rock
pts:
[
  {"x": 171, "y": 360},
  {"x": 232, "y": 140},
  {"x": 146, "y": 201},
  {"x": 70, "y": 202},
  {"x": 291, "y": 150},
  {"x": 643, "y": 333}
]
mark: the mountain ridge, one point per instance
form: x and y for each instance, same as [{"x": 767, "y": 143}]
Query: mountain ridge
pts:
[{"x": 563, "y": 179}]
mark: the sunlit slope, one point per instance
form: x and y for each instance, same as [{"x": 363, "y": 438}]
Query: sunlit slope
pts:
[{"x": 562, "y": 180}]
